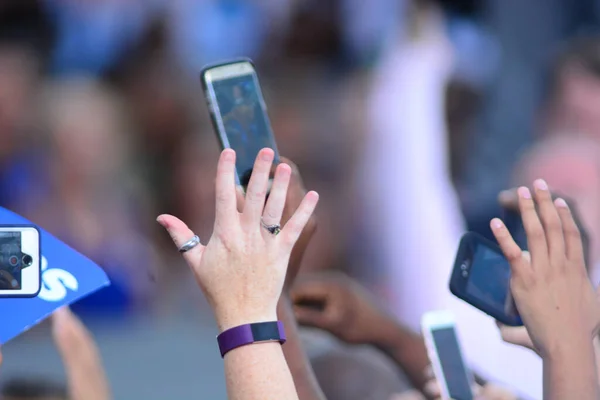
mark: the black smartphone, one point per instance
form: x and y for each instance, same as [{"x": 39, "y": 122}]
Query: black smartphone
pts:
[
  {"x": 238, "y": 112},
  {"x": 481, "y": 277},
  {"x": 514, "y": 224}
]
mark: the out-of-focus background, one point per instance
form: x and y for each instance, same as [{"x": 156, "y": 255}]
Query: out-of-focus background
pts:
[{"x": 103, "y": 127}]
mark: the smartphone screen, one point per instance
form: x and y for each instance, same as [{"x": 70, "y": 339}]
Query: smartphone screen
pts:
[
  {"x": 481, "y": 277},
  {"x": 240, "y": 114},
  {"x": 514, "y": 224},
  {"x": 20, "y": 262},
  {"x": 489, "y": 279},
  {"x": 451, "y": 363}
]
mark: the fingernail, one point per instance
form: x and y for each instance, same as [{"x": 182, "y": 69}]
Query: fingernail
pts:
[
  {"x": 496, "y": 223},
  {"x": 60, "y": 313},
  {"x": 228, "y": 154},
  {"x": 561, "y": 203},
  {"x": 540, "y": 184},
  {"x": 161, "y": 221},
  {"x": 524, "y": 192},
  {"x": 266, "y": 155}
]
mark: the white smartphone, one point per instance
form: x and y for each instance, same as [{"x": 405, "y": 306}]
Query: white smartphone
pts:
[
  {"x": 20, "y": 261},
  {"x": 445, "y": 354},
  {"x": 238, "y": 113}
]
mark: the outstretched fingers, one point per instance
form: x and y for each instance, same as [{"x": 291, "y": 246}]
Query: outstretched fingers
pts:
[
  {"x": 536, "y": 237},
  {"x": 550, "y": 219},
  {"x": 572, "y": 235},
  {"x": 276, "y": 202},
  {"x": 257, "y": 188},
  {"x": 293, "y": 228}
]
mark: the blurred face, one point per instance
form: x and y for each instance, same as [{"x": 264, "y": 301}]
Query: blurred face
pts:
[
  {"x": 578, "y": 104},
  {"x": 577, "y": 177},
  {"x": 17, "y": 75},
  {"x": 87, "y": 138}
]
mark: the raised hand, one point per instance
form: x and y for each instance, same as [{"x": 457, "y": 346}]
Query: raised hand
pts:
[
  {"x": 553, "y": 293},
  {"x": 85, "y": 375},
  {"x": 509, "y": 200},
  {"x": 242, "y": 268}
]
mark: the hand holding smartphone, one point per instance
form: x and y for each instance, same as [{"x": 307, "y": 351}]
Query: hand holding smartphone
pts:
[
  {"x": 238, "y": 113},
  {"x": 441, "y": 339}
]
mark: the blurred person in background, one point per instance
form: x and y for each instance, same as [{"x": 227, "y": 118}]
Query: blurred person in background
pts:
[
  {"x": 93, "y": 36},
  {"x": 207, "y": 31},
  {"x": 410, "y": 198},
  {"x": 26, "y": 40},
  {"x": 87, "y": 192},
  {"x": 574, "y": 90},
  {"x": 529, "y": 34}
]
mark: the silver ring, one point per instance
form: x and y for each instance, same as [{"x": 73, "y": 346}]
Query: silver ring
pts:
[
  {"x": 190, "y": 244},
  {"x": 273, "y": 229}
]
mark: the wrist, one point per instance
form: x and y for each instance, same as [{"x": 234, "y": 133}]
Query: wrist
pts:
[
  {"x": 567, "y": 350},
  {"x": 387, "y": 334},
  {"x": 230, "y": 319}
]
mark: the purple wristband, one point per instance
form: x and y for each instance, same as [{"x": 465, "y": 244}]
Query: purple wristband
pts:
[{"x": 250, "y": 333}]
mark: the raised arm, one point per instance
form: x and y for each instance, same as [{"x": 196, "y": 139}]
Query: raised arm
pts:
[
  {"x": 86, "y": 379},
  {"x": 242, "y": 270},
  {"x": 554, "y": 294},
  {"x": 304, "y": 377}
]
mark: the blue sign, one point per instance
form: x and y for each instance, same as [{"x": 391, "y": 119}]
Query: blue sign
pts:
[{"x": 67, "y": 276}]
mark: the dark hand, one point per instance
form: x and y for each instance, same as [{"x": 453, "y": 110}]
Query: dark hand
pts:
[
  {"x": 337, "y": 304},
  {"x": 296, "y": 193}
]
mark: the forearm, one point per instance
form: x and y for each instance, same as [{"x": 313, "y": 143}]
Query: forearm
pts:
[
  {"x": 407, "y": 349},
  {"x": 570, "y": 372},
  {"x": 304, "y": 378},
  {"x": 258, "y": 371},
  {"x": 597, "y": 355}
]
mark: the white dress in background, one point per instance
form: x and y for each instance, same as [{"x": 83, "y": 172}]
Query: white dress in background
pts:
[{"x": 413, "y": 211}]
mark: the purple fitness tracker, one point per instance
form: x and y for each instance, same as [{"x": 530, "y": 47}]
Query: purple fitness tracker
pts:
[{"x": 250, "y": 333}]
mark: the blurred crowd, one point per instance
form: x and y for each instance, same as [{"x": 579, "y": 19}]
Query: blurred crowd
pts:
[{"x": 407, "y": 116}]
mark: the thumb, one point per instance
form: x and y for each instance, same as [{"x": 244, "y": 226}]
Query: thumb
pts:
[
  {"x": 311, "y": 317},
  {"x": 312, "y": 290},
  {"x": 516, "y": 335},
  {"x": 180, "y": 234}
]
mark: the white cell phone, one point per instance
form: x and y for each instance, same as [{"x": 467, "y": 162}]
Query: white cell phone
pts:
[
  {"x": 453, "y": 376},
  {"x": 238, "y": 113},
  {"x": 20, "y": 261}
]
